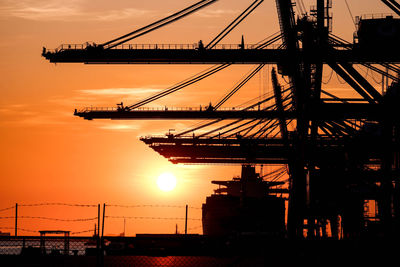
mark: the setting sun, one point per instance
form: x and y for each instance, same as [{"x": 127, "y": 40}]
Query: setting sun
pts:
[{"x": 166, "y": 181}]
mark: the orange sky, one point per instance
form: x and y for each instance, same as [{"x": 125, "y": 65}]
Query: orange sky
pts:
[{"x": 48, "y": 155}]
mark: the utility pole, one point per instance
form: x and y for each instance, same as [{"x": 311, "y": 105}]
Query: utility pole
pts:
[
  {"x": 186, "y": 219},
  {"x": 98, "y": 220},
  {"x": 124, "y": 226},
  {"x": 104, "y": 216}
]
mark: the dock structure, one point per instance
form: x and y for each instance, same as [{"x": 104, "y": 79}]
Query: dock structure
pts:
[{"x": 342, "y": 154}]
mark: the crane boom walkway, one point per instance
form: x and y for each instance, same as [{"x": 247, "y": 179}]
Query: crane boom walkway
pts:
[
  {"x": 327, "y": 111},
  {"x": 189, "y": 54}
]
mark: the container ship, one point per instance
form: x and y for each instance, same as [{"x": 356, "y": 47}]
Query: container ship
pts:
[{"x": 244, "y": 205}]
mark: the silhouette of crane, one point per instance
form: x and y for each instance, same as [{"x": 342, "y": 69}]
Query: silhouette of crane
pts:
[{"x": 342, "y": 152}]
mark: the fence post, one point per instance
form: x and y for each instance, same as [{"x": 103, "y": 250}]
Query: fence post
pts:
[
  {"x": 186, "y": 218},
  {"x": 16, "y": 219},
  {"x": 98, "y": 220},
  {"x": 100, "y": 249},
  {"x": 104, "y": 215}
]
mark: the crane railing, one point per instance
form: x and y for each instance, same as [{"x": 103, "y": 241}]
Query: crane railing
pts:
[
  {"x": 146, "y": 109},
  {"x": 86, "y": 46}
]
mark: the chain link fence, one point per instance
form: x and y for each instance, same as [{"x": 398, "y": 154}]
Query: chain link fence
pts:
[
  {"x": 36, "y": 245},
  {"x": 88, "y": 251},
  {"x": 153, "y": 251},
  {"x": 128, "y": 251}
]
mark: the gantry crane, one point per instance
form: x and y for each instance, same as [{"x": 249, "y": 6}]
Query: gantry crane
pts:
[{"x": 340, "y": 152}]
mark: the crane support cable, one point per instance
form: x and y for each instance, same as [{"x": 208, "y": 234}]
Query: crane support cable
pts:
[
  {"x": 333, "y": 96},
  {"x": 263, "y": 129},
  {"x": 393, "y": 5},
  {"x": 337, "y": 129},
  {"x": 260, "y": 121},
  {"x": 189, "y": 81},
  {"x": 351, "y": 14},
  {"x": 382, "y": 72},
  {"x": 240, "y": 85},
  {"x": 158, "y": 24},
  {"x": 197, "y": 128},
  {"x": 394, "y": 67},
  {"x": 268, "y": 38},
  {"x": 221, "y": 127},
  {"x": 270, "y": 41},
  {"x": 266, "y": 100},
  {"x": 270, "y": 128},
  {"x": 239, "y": 127},
  {"x": 218, "y": 120},
  {"x": 255, "y": 100},
  {"x": 233, "y": 24},
  {"x": 180, "y": 85},
  {"x": 250, "y": 128},
  {"x": 278, "y": 170},
  {"x": 233, "y": 129},
  {"x": 239, "y": 120}
]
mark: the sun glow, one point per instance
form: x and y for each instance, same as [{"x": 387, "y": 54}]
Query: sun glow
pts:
[{"x": 166, "y": 181}]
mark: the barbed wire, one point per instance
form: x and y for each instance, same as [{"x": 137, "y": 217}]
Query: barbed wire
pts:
[
  {"x": 95, "y": 205},
  {"x": 19, "y": 229},
  {"x": 9, "y": 208},
  {"x": 52, "y": 219},
  {"x": 81, "y": 232},
  {"x": 152, "y": 218},
  {"x": 35, "y": 231},
  {"x": 59, "y": 204},
  {"x": 150, "y": 206}
]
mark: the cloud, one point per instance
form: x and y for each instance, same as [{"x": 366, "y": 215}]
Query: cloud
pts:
[
  {"x": 216, "y": 13},
  {"x": 120, "y": 91},
  {"x": 59, "y": 10},
  {"x": 122, "y": 14},
  {"x": 119, "y": 127}
]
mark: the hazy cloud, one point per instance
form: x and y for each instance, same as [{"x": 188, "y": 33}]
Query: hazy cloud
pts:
[
  {"x": 119, "y": 127},
  {"x": 59, "y": 10},
  {"x": 216, "y": 13},
  {"x": 120, "y": 91}
]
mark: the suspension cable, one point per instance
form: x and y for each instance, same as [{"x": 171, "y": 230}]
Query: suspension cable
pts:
[
  {"x": 351, "y": 14},
  {"x": 233, "y": 24},
  {"x": 240, "y": 85},
  {"x": 208, "y": 72},
  {"x": 158, "y": 24},
  {"x": 180, "y": 85}
]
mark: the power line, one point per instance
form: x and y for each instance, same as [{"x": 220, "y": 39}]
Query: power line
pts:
[
  {"x": 58, "y": 204},
  {"x": 152, "y": 218},
  {"x": 51, "y": 219},
  {"x": 9, "y": 208},
  {"x": 149, "y": 206},
  {"x": 35, "y": 231}
]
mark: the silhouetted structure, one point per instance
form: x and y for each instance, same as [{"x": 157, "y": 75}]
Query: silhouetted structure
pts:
[
  {"x": 343, "y": 153},
  {"x": 245, "y": 205}
]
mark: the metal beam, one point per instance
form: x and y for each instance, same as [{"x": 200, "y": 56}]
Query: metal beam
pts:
[
  {"x": 98, "y": 55},
  {"x": 339, "y": 70},
  {"x": 325, "y": 111},
  {"x": 363, "y": 82}
]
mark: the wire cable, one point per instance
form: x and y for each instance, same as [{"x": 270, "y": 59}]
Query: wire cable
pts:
[
  {"x": 51, "y": 219},
  {"x": 158, "y": 24},
  {"x": 58, "y": 204},
  {"x": 152, "y": 218},
  {"x": 351, "y": 15},
  {"x": 233, "y": 24},
  {"x": 9, "y": 208}
]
